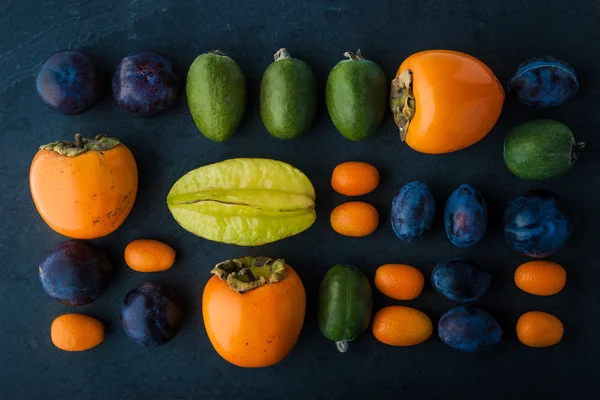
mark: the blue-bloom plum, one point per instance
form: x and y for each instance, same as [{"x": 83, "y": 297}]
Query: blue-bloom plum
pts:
[
  {"x": 145, "y": 83},
  {"x": 69, "y": 82},
  {"x": 75, "y": 272},
  {"x": 413, "y": 209},
  {"x": 469, "y": 329},
  {"x": 461, "y": 280},
  {"x": 465, "y": 216},
  {"x": 544, "y": 82},
  {"x": 537, "y": 223},
  {"x": 151, "y": 314}
]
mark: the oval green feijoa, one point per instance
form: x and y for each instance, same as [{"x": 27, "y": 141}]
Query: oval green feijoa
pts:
[
  {"x": 540, "y": 149},
  {"x": 288, "y": 96},
  {"x": 356, "y": 96},
  {"x": 345, "y": 305},
  {"x": 216, "y": 94},
  {"x": 244, "y": 201}
]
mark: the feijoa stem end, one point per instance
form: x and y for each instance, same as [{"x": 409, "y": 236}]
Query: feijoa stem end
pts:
[
  {"x": 402, "y": 101},
  {"x": 217, "y": 52},
  {"x": 577, "y": 148},
  {"x": 282, "y": 54},
  {"x": 342, "y": 346},
  {"x": 354, "y": 56},
  {"x": 248, "y": 273}
]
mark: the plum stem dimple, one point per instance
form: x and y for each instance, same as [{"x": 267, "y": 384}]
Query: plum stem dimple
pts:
[
  {"x": 354, "y": 56},
  {"x": 282, "y": 54}
]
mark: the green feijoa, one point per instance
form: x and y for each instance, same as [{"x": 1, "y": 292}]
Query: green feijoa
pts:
[
  {"x": 216, "y": 94},
  {"x": 540, "y": 149},
  {"x": 356, "y": 96},
  {"x": 345, "y": 305},
  {"x": 288, "y": 96}
]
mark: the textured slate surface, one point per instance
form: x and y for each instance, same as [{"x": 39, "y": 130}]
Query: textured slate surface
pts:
[{"x": 502, "y": 34}]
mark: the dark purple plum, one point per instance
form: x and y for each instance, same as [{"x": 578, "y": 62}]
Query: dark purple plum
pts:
[
  {"x": 151, "y": 314},
  {"x": 75, "y": 273},
  {"x": 69, "y": 82},
  {"x": 544, "y": 82},
  {"x": 537, "y": 223},
  {"x": 412, "y": 213},
  {"x": 469, "y": 329},
  {"x": 461, "y": 280},
  {"x": 465, "y": 216},
  {"x": 145, "y": 83}
]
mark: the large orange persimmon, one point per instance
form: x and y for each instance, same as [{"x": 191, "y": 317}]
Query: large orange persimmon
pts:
[
  {"x": 444, "y": 101},
  {"x": 84, "y": 189},
  {"x": 253, "y": 310}
]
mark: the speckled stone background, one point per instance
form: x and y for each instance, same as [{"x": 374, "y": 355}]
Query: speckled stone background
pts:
[{"x": 501, "y": 33}]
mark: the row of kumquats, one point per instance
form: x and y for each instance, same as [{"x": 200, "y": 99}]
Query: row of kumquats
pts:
[{"x": 355, "y": 218}]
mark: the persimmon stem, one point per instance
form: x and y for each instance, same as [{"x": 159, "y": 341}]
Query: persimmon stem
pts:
[
  {"x": 78, "y": 141},
  {"x": 248, "y": 274}
]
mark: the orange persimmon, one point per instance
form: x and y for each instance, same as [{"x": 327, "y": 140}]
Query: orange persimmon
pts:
[
  {"x": 253, "y": 310},
  {"x": 444, "y": 101},
  {"x": 84, "y": 189}
]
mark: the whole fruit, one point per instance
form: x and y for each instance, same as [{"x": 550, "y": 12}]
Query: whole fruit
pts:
[
  {"x": 244, "y": 201},
  {"x": 216, "y": 94},
  {"x": 253, "y": 310},
  {"x": 146, "y": 255},
  {"x": 151, "y": 314},
  {"x": 75, "y": 273},
  {"x": 539, "y": 329},
  {"x": 354, "y": 218},
  {"x": 540, "y": 278},
  {"x": 401, "y": 326},
  {"x": 76, "y": 332},
  {"x": 412, "y": 213},
  {"x": 288, "y": 96},
  {"x": 540, "y": 149},
  {"x": 69, "y": 82},
  {"x": 444, "y": 101},
  {"x": 544, "y": 82},
  {"x": 345, "y": 305},
  {"x": 356, "y": 96},
  {"x": 354, "y": 178},
  {"x": 84, "y": 189},
  {"x": 399, "y": 281},
  {"x": 465, "y": 216},
  {"x": 469, "y": 329},
  {"x": 461, "y": 280},
  {"x": 537, "y": 223},
  {"x": 145, "y": 83}
]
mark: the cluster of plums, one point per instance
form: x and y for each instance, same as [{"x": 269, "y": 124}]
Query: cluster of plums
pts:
[
  {"x": 144, "y": 83},
  {"x": 77, "y": 272},
  {"x": 536, "y": 223}
]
